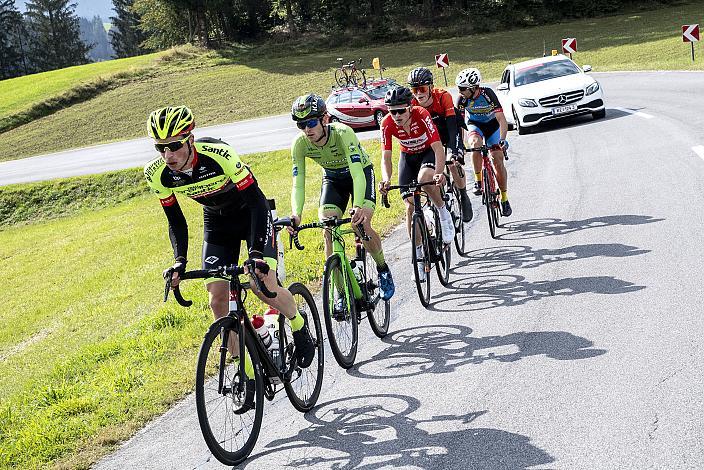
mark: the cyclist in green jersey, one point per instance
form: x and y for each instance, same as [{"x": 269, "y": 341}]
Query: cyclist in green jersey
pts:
[
  {"x": 347, "y": 171},
  {"x": 210, "y": 172}
]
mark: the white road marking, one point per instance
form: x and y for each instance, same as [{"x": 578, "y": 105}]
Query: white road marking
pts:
[
  {"x": 699, "y": 150},
  {"x": 637, "y": 113}
]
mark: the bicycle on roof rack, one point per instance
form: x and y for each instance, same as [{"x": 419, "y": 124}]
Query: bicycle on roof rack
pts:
[{"x": 348, "y": 74}]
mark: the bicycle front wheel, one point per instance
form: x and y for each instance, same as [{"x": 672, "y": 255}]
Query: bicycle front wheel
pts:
[
  {"x": 229, "y": 407},
  {"x": 379, "y": 313},
  {"x": 421, "y": 261},
  {"x": 489, "y": 201},
  {"x": 340, "y": 77},
  {"x": 340, "y": 312},
  {"x": 443, "y": 253},
  {"x": 461, "y": 227},
  {"x": 303, "y": 389}
]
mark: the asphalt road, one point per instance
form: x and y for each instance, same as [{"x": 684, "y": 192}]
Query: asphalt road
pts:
[{"x": 573, "y": 341}]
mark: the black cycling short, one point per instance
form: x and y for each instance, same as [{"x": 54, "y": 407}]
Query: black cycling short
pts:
[
  {"x": 223, "y": 235},
  {"x": 336, "y": 191},
  {"x": 409, "y": 164}
]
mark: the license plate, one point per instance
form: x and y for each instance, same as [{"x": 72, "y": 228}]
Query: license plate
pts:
[{"x": 564, "y": 109}]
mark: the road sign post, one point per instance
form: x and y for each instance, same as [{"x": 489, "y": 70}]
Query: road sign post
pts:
[
  {"x": 442, "y": 61},
  {"x": 690, "y": 34},
  {"x": 376, "y": 63},
  {"x": 569, "y": 46}
]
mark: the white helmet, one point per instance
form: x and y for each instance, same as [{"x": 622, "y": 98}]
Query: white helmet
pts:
[{"x": 470, "y": 77}]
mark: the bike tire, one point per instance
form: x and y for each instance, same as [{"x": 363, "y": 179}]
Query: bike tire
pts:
[
  {"x": 333, "y": 269},
  {"x": 443, "y": 253},
  {"x": 423, "y": 287},
  {"x": 210, "y": 362},
  {"x": 340, "y": 77},
  {"x": 462, "y": 228},
  {"x": 379, "y": 314},
  {"x": 303, "y": 397},
  {"x": 489, "y": 198}
]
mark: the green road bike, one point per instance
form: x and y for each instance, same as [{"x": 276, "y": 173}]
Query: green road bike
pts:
[{"x": 350, "y": 287}]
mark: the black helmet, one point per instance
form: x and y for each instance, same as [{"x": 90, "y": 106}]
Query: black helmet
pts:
[
  {"x": 308, "y": 106},
  {"x": 398, "y": 96},
  {"x": 420, "y": 76}
]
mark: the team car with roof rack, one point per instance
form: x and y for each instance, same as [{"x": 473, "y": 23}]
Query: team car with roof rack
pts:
[{"x": 360, "y": 107}]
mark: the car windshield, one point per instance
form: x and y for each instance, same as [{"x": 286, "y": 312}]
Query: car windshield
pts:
[
  {"x": 546, "y": 71},
  {"x": 379, "y": 92}
]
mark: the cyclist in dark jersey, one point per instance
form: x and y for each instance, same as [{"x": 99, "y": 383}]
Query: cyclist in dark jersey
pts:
[
  {"x": 485, "y": 122},
  {"x": 209, "y": 171},
  {"x": 439, "y": 104},
  {"x": 347, "y": 173}
]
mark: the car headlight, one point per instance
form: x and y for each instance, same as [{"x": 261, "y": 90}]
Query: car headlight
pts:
[
  {"x": 527, "y": 103},
  {"x": 591, "y": 89}
]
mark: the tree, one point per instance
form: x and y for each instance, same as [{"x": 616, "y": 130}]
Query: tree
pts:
[
  {"x": 12, "y": 57},
  {"x": 126, "y": 35},
  {"x": 93, "y": 34},
  {"x": 55, "y": 40}
]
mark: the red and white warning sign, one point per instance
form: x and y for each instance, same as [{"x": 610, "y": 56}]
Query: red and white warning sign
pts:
[
  {"x": 569, "y": 45},
  {"x": 690, "y": 32},
  {"x": 442, "y": 61}
]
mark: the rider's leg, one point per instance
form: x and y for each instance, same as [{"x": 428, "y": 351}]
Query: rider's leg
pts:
[{"x": 474, "y": 139}]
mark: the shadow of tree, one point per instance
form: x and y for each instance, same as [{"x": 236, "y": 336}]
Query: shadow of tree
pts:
[
  {"x": 442, "y": 349},
  {"x": 538, "y": 228},
  {"x": 503, "y": 258},
  {"x": 378, "y": 431}
]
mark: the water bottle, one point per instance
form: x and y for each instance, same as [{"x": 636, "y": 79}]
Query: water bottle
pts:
[
  {"x": 357, "y": 270},
  {"x": 271, "y": 321},
  {"x": 262, "y": 330},
  {"x": 429, "y": 220},
  {"x": 280, "y": 267}
]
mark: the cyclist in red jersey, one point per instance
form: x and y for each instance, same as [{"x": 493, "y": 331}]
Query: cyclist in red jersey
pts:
[
  {"x": 440, "y": 105},
  {"x": 422, "y": 156}
]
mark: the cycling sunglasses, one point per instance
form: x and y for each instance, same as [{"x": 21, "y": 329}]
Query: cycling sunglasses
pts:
[
  {"x": 465, "y": 88},
  {"x": 173, "y": 146},
  {"x": 420, "y": 89},
  {"x": 308, "y": 123},
  {"x": 398, "y": 111}
]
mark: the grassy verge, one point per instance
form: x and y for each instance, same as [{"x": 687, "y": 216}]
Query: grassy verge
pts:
[
  {"x": 231, "y": 85},
  {"x": 88, "y": 353}
]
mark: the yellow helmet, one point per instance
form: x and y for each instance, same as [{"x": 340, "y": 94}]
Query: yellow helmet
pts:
[{"x": 170, "y": 121}]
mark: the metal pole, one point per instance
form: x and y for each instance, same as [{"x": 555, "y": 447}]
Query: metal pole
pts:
[
  {"x": 444, "y": 75},
  {"x": 692, "y": 43}
]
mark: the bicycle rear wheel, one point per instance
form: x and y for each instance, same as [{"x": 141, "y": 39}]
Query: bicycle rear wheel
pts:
[
  {"x": 303, "y": 389},
  {"x": 340, "y": 312},
  {"x": 340, "y": 77},
  {"x": 379, "y": 312},
  {"x": 461, "y": 227},
  {"x": 420, "y": 237},
  {"x": 230, "y": 427},
  {"x": 443, "y": 253},
  {"x": 489, "y": 200}
]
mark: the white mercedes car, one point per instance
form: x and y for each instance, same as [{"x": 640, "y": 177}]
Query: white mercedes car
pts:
[{"x": 548, "y": 88}]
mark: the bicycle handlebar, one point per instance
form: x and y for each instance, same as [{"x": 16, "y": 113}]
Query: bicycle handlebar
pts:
[
  {"x": 484, "y": 149},
  {"x": 223, "y": 272},
  {"x": 414, "y": 185}
]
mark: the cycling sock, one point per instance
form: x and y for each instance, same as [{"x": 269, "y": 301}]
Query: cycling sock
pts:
[
  {"x": 379, "y": 258},
  {"x": 444, "y": 213},
  {"x": 478, "y": 176},
  {"x": 296, "y": 322},
  {"x": 248, "y": 367},
  {"x": 504, "y": 195},
  {"x": 419, "y": 251}
]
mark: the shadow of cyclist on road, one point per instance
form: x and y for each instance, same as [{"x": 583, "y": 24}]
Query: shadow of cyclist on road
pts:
[
  {"x": 378, "y": 431},
  {"x": 442, "y": 349},
  {"x": 538, "y": 228}
]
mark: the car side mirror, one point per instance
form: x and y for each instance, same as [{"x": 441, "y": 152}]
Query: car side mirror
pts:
[
  {"x": 363, "y": 100},
  {"x": 502, "y": 87},
  {"x": 587, "y": 68}
]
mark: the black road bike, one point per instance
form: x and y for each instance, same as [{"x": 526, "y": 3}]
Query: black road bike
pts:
[
  {"x": 428, "y": 236},
  {"x": 229, "y": 403}
]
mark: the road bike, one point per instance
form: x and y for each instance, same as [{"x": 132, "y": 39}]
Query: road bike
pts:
[
  {"x": 350, "y": 287},
  {"x": 349, "y": 75},
  {"x": 451, "y": 194},
  {"x": 491, "y": 195},
  {"x": 426, "y": 233},
  {"x": 229, "y": 403}
]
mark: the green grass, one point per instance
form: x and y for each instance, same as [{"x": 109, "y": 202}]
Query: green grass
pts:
[
  {"x": 88, "y": 352},
  {"x": 231, "y": 85}
]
